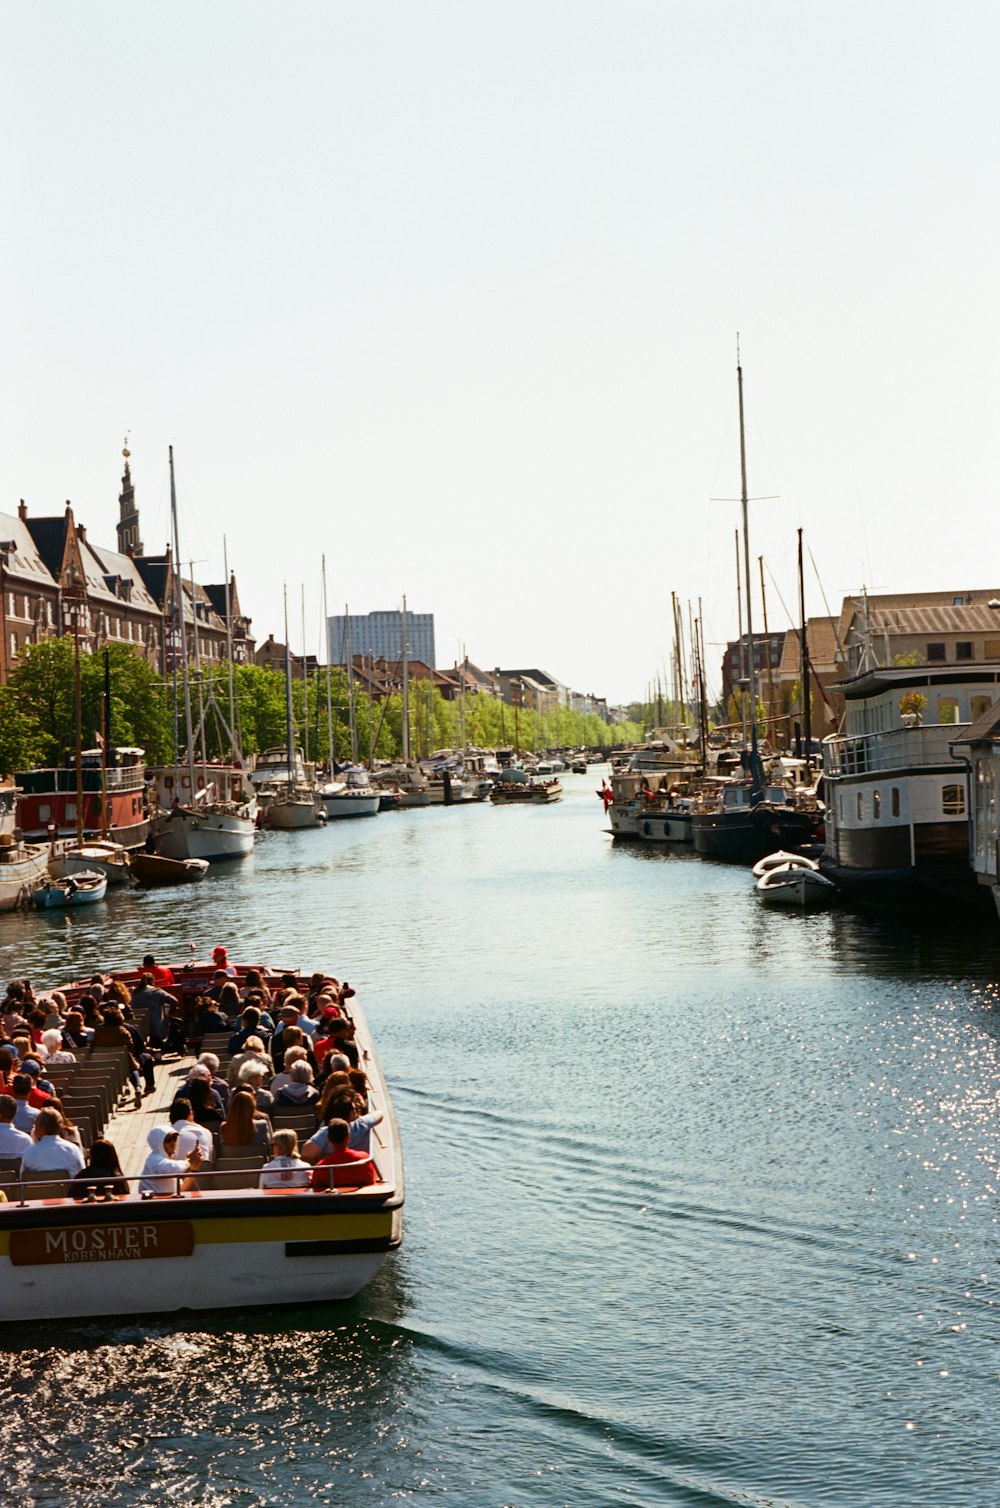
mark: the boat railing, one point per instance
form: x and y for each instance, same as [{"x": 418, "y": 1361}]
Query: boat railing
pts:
[
  {"x": 33, "y": 1188},
  {"x": 895, "y": 749}
]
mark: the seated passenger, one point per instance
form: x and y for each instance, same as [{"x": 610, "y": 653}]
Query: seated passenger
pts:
[
  {"x": 189, "y": 1133},
  {"x": 359, "y": 1128},
  {"x": 286, "y": 1170},
  {"x": 253, "y": 1052},
  {"x": 205, "y": 1103},
  {"x": 341, "y": 1168},
  {"x": 13, "y": 1143},
  {"x": 163, "y": 1166},
  {"x": 293, "y": 1055},
  {"x": 50, "y": 1152},
  {"x": 210, "y": 1061},
  {"x": 245, "y": 1125},
  {"x": 24, "y": 1111},
  {"x": 102, "y": 1174},
  {"x": 52, "y": 1041},
  {"x": 253, "y": 1076},
  {"x": 300, "y": 1090},
  {"x": 210, "y": 1017}
]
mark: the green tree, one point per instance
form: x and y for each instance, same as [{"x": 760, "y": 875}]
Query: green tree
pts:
[{"x": 23, "y": 742}]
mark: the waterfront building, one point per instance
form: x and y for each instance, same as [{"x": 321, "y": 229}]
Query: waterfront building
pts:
[
  {"x": 920, "y": 628},
  {"x": 827, "y": 667},
  {"x": 768, "y": 649},
  {"x": 54, "y": 581},
  {"x": 531, "y": 688},
  {"x": 980, "y": 744},
  {"x": 381, "y": 634}
]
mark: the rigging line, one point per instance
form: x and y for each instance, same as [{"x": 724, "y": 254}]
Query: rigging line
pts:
[{"x": 822, "y": 592}]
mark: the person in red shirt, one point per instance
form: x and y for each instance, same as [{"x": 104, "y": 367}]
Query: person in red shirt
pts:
[
  {"x": 342, "y": 1168},
  {"x": 163, "y": 977}
]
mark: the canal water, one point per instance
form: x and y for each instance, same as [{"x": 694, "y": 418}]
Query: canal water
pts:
[{"x": 702, "y": 1200}]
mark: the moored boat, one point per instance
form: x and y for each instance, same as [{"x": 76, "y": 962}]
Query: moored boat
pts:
[
  {"x": 109, "y": 859},
  {"x": 532, "y": 792},
  {"x": 81, "y": 889},
  {"x": 156, "y": 869},
  {"x": 22, "y": 865},
  {"x": 793, "y": 884}
]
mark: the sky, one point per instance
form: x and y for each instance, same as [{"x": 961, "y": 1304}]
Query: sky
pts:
[{"x": 448, "y": 293}]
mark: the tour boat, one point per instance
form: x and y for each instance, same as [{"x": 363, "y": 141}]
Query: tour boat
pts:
[
  {"x": 216, "y": 1248},
  {"x": 526, "y": 792}
]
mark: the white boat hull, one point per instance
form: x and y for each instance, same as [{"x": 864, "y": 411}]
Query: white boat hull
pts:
[
  {"x": 208, "y": 835},
  {"x": 110, "y": 860},
  {"x": 795, "y": 887},
  {"x": 20, "y": 876},
  {"x": 351, "y": 804},
  {"x": 289, "y": 815}
]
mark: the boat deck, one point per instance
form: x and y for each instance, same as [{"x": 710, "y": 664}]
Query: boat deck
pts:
[{"x": 130, "y": 1125}]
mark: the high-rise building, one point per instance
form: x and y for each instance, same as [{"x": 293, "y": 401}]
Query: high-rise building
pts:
[{"x": 381, "y": 634}]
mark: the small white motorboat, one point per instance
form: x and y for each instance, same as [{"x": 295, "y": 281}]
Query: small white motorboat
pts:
[
  {"x": 95, "y": 856},
  {"x": 776, "y": 860},
  {"x": 795, "y": 885}
]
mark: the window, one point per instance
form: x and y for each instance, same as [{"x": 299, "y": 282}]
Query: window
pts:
[
  {"x": 876, "y": 804},
  {"x": 935, "y": 652},
  {"x": 895, "y": 801},
  {"x": 980, "y": 706},
  {"x": 861, "y": 806},
  {"x": 953, "y": 800},
  {"x": 956, "y": 602},
  {"x": 991, "y": 649},
  {"x": 947, "y": 709},
  {"x": 963, "y": 651}
]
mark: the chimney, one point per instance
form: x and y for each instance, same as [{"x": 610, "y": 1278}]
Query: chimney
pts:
[
  {"x": 22, "y": 509},
  {"x": 81, "y": 533}
]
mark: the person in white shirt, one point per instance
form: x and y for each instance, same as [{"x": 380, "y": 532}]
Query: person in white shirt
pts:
[
  {"x": 163, "y": 1160},
  {"x": 13, "y": 1143},
  {"x": 190, "y": 1134},
  {"x": 49, "y": 1152},
  {"x": 286, "y": 1170}
]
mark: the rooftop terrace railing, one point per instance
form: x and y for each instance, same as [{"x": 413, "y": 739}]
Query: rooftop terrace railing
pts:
[{"x": 896, "y": 749}]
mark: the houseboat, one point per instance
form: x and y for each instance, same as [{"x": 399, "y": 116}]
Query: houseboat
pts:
[
  {"x": 897, "y": 785},
  {"x": 114, "y": 799}
]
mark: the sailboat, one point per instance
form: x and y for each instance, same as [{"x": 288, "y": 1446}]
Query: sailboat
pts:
[
  {"x": 747, "y": 818},
  {"x": 297, "y": 803},
  {"x": 351, "y": 795},
  {"x": 208, "y": 808}
]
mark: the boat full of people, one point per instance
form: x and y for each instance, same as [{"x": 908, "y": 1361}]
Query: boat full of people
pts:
[{"x": 178, "y": 1129}]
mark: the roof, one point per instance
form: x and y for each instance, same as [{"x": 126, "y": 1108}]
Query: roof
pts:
[
  {"x": 986, "y": 730},
  {"x": 110, "y": 563},
  {"x": 889, "y": 610},
  {"x": 24, "y": 560},
  {"x": 49, "y": 535}
]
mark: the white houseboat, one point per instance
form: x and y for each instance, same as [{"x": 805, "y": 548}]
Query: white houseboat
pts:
[{"x": 897, "y": 787}]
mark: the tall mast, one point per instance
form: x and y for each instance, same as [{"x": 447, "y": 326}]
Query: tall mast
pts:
[
  {"x": 465, "y": 667},
  {"x": 305, "y": 681},
  {"x": 197, "y": 663},
  {"x": 767, "y": 645},
  {"x": 351, "y": 710},
  {"x": 406, "y": 691},
  {"x": 804, "y": 671},
  {"x": 289, "y": 732},
  {"x": 741, "y": 643},
  {"x": 78, "y": 716},
  {"x": 329, "y": 696},
  {"x": 179, "y": 607},
  {"x": 755, "y": 772},
  {"x": 229, "y": 638}
]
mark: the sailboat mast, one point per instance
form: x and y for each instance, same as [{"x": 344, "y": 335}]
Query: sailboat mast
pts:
[
  {"x": 741, "y": 643},
  {"x": 351, "y": 709},
  {"x": 78, "y": 716},
  {"x": 804, "y": 670},
  {"x": 406, "y": 691},
  {"x": 751, "y": 656},
  {"x": 305, "y": 682},
  {"x": 197, "y": 664},
  {"x": 182, "y": 632},
  {"x": 229, "y": 639},
  {"x": 289, "y": 732},
  {"x": 329, "y": 695}
]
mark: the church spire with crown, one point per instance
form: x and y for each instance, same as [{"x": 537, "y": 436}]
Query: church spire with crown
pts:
[{"x": 129, "y": 542}]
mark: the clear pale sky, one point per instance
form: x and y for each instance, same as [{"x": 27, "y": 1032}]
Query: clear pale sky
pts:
[{"x": 450, "y": 293}]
